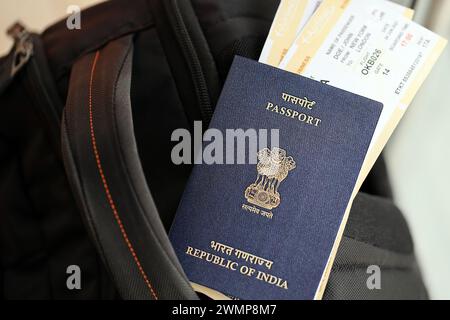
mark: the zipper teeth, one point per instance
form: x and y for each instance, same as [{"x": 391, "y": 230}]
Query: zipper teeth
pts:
[{"x": 196, "y": 68}]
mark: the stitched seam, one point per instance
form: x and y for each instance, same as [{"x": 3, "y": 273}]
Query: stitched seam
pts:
[
  {"x": 126, "y": 167},
  {"x": 106, "y": 187}
]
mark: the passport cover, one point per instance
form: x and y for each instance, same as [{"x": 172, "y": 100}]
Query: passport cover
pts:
[{"x": 266, "y": 230}]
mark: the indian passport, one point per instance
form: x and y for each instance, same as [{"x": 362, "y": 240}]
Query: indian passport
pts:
[{"x": 265, "y": 229}]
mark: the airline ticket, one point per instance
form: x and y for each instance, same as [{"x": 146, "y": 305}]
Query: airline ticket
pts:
[
  {"x": 371, "y": 50},
  {"x": 291, "y": 17},
  {"x": 362, "y": 47},
  {"x": 289, "y": 21}
]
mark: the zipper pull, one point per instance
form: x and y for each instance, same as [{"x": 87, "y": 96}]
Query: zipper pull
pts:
[{"x": 23, "y": 47}]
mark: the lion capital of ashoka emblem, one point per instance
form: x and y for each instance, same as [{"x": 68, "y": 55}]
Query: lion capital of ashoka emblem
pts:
[{"x": 273, "y": 167}]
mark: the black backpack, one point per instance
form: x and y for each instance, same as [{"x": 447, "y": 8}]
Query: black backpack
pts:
[{"x": 86, "y": 177}]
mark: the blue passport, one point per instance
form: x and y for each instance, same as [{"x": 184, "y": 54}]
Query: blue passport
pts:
[{"x": 265, "y": 229}]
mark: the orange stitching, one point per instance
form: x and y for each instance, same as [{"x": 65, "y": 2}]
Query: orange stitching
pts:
[{"x": 105, "y": 184}]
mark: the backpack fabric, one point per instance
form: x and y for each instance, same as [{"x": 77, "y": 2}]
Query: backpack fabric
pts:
[{"x": 163, "y": 64}]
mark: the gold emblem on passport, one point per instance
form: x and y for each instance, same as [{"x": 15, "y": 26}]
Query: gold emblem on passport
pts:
[{"x": 273, "y": 167}]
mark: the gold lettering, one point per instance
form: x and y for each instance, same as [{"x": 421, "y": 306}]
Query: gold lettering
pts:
[
  {"x": 271, "y": 279},
  {"x": 294, "y": 114},
  {"x": 233, "y": 265},
  {"x": 304, "y": 103},
  {"x": 302, "y": 117},
  {"x": 318, "y": 121}
]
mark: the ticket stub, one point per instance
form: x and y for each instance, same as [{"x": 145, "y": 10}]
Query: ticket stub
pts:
[
  {"x": 332, "y": 15},
  {"x": 371, "y": 50},
  {"x": 368, "y": 48},
  {"x": 291, "y": 17}
]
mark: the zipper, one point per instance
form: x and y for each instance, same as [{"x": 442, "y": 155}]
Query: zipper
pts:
[
  {"x": 41, "y": 95},
  {"x": 26, "y": 51},
  {"x": 23, "y": 47},
  {"x": 187, "y": 46}
]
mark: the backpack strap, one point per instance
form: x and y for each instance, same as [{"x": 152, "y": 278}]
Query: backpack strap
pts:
[{"x": 104, "y": 169}]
